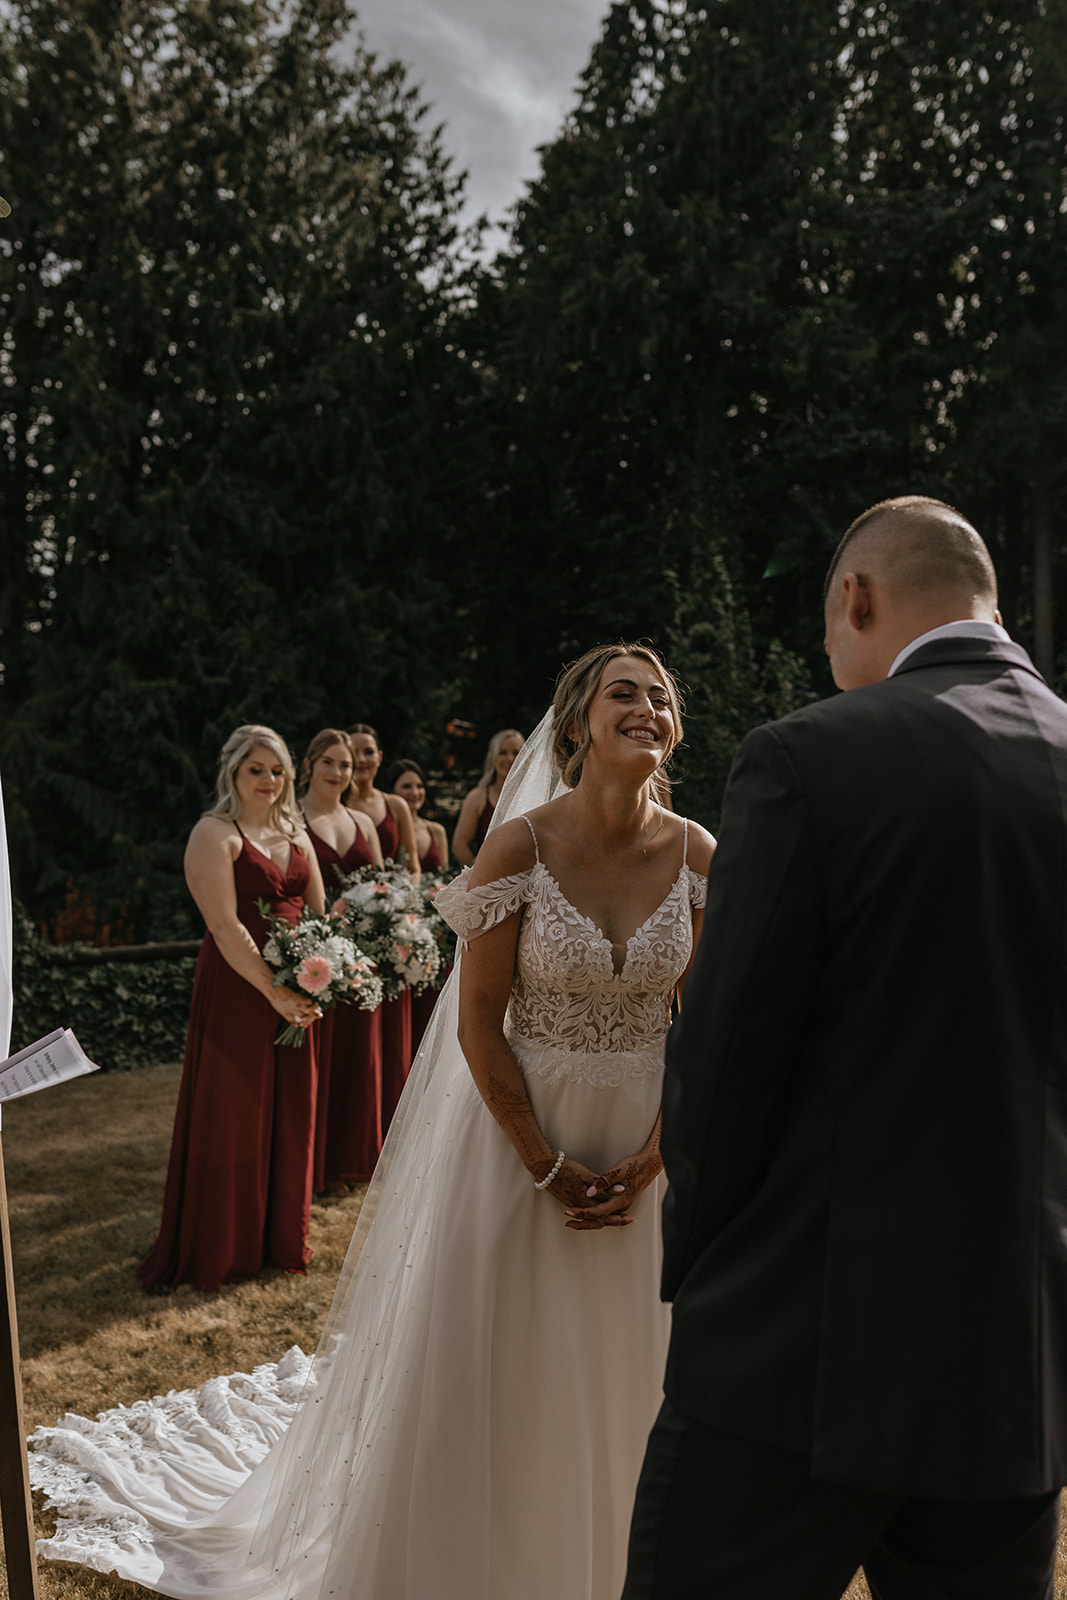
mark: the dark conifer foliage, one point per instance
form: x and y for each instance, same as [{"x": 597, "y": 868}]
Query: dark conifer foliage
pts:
[
  {"x": 224, "y": 289},
  {"x": 956, "y": 123},
  {"x": 783, "y": 261},
  {"x": 272, "y": 450},
  {"x": 669, "y": 379}
]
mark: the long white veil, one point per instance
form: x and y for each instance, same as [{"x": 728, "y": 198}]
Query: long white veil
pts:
[
  {"x": 375, "y": 1326},
  {"x": 415, "y": 1141}
]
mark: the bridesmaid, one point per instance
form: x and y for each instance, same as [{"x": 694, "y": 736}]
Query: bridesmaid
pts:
[
  {"x": 396, "y": 831},
  {"x": 348, "y": 1124},
  {"x": 477, "y": 810},
  {"x": 405, "y": 778},
  {"x": 238, "y": 1194}
]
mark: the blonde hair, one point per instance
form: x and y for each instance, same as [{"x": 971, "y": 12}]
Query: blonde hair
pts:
[
  {"x": 575, "y": 688},
  {"x": 324, "y": 740},
  {"x": 489, "y": 770},
  {"x": 242, "y": 741}
]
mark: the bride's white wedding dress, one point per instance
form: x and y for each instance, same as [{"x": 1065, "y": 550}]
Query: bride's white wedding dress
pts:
[{"x": 475, "y": 1419}]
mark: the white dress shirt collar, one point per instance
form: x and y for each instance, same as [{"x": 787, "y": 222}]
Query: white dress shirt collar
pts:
[{"x": 968, "y": 628}]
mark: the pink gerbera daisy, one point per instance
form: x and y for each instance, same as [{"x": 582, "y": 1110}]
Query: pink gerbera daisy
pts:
[{"x": 313, "y": 974}]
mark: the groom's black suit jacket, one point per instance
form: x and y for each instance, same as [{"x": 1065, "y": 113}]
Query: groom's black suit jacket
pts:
[{"x": 865, "y": 1108}]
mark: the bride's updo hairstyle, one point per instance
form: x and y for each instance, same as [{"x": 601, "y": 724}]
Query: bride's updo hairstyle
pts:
[
  {"x": 575, "y": 688},
  {"x": 242, "y": 741},
  {"x": 324, "y": 740}
]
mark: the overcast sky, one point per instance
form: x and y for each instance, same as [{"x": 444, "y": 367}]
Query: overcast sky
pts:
[{"x": 500, "y": 75}]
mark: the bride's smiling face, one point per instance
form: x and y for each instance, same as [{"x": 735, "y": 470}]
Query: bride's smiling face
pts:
[{"x": 631, "y": 719}]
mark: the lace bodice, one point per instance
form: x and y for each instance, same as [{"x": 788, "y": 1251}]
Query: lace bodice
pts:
[{"x": 571, "y": 1014}]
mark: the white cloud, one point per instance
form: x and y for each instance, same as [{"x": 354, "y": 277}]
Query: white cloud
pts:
[{"x": 500, "y": 75}]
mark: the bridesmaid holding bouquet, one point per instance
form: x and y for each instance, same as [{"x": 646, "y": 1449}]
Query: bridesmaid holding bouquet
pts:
[
  {"x": 396, "y": 832},
  {"x": 348, "y": 1125},
  {"x": 405, "y": 778},
  {"x": 238, "y": 1194}
]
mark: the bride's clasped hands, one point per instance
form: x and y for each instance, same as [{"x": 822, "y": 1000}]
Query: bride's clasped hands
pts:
[{"x": 606, "y": 1202}]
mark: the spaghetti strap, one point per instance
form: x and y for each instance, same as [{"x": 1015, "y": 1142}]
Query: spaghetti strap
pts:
[
  {"x": 533, "y": 835},
  {"x": 685, "y": 843}
]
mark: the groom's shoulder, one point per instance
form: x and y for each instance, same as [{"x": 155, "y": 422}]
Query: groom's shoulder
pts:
[
  {"x": 882, "y": 714},
  {"x": 816, "y": 739},
  {"x": 838, "y": 713}
]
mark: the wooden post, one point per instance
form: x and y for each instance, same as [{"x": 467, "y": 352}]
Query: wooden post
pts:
[{"x": 16, "y": 1508}]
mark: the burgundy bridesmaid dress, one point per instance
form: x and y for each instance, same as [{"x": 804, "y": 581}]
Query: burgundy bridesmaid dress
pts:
[
  {"x": 422, "y": 1004},
  {"x": 348, "y": 1124},
  {"x": 238, "y": 1193},
  {"x": 431, "y": 861},
  {"x": 396, "y": 1014},
  {"x": 483, "y": 825}
]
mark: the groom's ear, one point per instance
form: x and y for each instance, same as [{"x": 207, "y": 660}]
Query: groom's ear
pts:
[{"x": 859, "y": 600}]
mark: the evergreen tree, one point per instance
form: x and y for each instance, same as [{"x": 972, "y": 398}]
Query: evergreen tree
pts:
[
  {"x": 668, "y": 379},
  {"x": 955, "y": 156},
  {"x": 783, "y": 262},
  {"x": 228, "y": 388},
  {"x": 271, "y": 454}
]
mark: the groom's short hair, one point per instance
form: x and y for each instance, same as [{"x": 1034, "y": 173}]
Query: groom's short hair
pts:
[{"x": 920, "y": 545}]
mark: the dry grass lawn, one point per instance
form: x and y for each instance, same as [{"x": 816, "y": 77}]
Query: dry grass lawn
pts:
[{"x": 85, "y": 1168}]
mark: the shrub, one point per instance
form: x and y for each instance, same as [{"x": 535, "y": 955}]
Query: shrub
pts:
[{"x": 126, "y": 1015}]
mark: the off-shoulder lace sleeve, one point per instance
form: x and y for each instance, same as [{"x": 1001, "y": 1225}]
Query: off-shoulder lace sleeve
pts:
[
  {"x": 472, "y": 912},
  {"x": 698, "y": 887}
]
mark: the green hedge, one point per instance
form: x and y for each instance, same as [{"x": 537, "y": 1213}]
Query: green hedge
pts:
[{"x": 126, "y": 1014}]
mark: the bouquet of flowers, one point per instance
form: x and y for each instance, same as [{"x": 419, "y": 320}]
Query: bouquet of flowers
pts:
[
  {"x": 444, "y": 935},
  {"x": 318, "y": 956},
  {"x": 383, "y": 910}
]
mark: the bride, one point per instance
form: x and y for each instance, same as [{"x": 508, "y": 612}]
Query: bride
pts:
[{"x": 474, "y": 1421}]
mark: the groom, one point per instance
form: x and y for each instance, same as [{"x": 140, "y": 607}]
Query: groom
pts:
[{"x": 865, "y": 1121}]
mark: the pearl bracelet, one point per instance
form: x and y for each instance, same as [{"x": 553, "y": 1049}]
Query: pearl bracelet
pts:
[{"x": 560, "y": 1158}]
